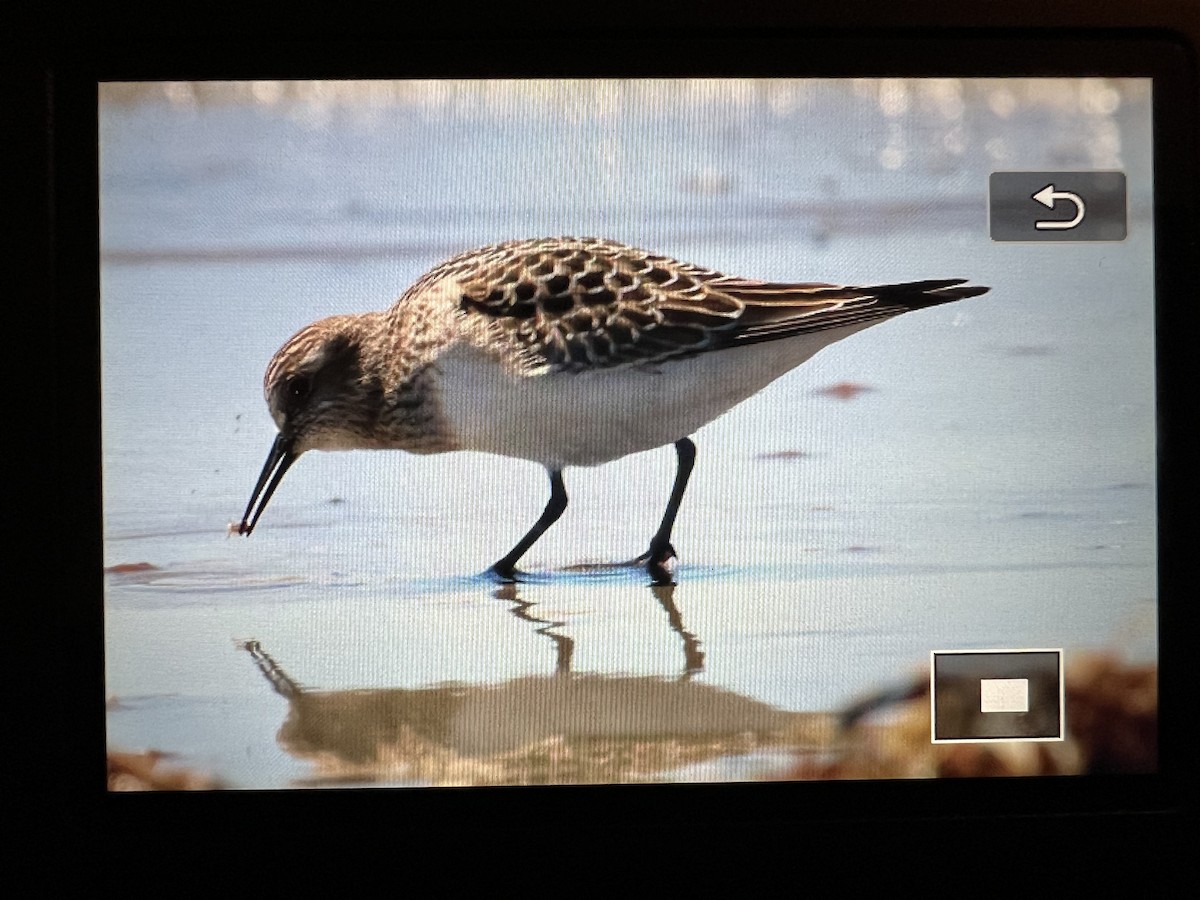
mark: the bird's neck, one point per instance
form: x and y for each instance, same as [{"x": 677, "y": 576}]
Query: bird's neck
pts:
[
  {"x": 400, "y": 355},
  {"x": 411, "y": 416}
]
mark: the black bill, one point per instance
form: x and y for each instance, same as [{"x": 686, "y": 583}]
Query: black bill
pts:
[{"x": 279, "y": 460}]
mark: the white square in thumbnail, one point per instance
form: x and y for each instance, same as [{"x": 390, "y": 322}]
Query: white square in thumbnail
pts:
[{"x": 1004, "y": 695}]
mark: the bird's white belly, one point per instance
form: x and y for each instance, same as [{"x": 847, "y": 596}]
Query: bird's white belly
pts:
[{"x": 589, "y": 418}]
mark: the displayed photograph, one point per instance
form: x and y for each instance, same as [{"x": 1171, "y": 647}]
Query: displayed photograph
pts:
[{"x": 476, "y": 432}]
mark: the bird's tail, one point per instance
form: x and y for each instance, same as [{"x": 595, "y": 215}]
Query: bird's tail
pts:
[{"x": 920, "y": 294}]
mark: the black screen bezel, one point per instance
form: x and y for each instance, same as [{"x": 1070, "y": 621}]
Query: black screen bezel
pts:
[{"x": 72, "y": 102}]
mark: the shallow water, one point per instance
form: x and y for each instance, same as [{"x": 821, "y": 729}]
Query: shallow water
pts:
[{"x": 994, "y": 487}]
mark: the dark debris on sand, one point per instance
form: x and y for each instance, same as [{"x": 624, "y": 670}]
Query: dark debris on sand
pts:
[{"x": 1112, "y": 727}]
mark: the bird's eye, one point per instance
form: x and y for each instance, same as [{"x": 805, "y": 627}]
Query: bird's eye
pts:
[{"x": 298, "y": 387}]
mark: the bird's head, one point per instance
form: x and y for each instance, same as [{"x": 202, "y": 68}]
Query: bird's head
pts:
[{"x": 321, "y": 396}]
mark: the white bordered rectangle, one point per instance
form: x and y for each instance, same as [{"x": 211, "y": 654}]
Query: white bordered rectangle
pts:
[{"x": 991, "y": 685}]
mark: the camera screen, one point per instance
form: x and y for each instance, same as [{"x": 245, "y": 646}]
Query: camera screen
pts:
[{"x": 747, "y": 430}]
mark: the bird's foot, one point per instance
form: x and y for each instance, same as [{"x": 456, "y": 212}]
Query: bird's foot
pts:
[
  {"x": 505, "y": 573},
  {"x": 660, "y": 563},
  {"x": 511, "y": 577}
]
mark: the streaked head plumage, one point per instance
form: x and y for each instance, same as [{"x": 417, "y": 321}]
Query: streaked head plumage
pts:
[{"x": 316, "y": 388}]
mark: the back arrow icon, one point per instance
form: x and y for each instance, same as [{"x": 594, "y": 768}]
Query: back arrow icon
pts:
[{"x": 1046, "y": 196}]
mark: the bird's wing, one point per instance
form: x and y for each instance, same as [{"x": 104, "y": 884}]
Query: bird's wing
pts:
[{"x": 566, "y": 304}]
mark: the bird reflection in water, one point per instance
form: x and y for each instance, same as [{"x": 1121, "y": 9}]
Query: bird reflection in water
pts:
[
  {"x": 565, "y": 646},
  {"x": 561, "y": 728}
]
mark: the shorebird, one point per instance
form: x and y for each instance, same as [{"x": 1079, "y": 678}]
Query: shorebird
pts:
[{"x": 562, "y": 351}]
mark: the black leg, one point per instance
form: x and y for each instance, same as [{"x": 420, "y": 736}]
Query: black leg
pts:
[
  {"x": 661, "y": 552},
  {"x": 506, "y": 567}
]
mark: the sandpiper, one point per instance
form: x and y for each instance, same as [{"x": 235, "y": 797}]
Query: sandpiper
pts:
[{"x": 564, "y": 351}]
